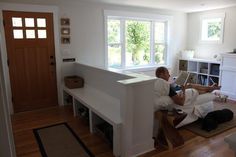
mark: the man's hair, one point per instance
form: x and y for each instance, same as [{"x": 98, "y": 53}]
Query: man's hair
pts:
[{"x": 160, "y": 70}]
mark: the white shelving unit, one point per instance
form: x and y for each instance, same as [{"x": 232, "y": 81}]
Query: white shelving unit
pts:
[{"x": 205, "y": 72}]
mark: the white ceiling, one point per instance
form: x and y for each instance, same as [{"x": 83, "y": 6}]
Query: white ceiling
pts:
[{"x": 178, "y": 5}]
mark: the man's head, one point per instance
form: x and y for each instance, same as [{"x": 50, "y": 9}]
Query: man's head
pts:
[{"x": 162, "y": 72}]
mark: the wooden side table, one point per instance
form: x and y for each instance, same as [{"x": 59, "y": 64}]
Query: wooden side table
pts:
[{"x": 168, "y": 135}]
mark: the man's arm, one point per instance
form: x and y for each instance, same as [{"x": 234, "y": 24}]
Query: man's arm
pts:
[{"x": 177, "y": 98}]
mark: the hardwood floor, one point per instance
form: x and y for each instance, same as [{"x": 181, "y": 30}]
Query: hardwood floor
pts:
[
  {"x": 197, "y": 146},
  {"x": 26, "y": 145}
]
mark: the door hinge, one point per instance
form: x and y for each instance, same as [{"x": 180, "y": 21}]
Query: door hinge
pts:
[{"x": 8, "y": 62}]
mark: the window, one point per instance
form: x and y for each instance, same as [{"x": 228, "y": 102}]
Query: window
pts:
[
  {"x": 27, "y": 29},
  {"x": 212, "y": 28},
  {"x": 135, "y": 42}
]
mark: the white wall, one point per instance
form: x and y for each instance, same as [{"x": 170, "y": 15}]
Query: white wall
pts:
[
  {"x": 7, "y": 148},
  {"x": 207, "y": 51},
  {"x": 87, "y": 28}
]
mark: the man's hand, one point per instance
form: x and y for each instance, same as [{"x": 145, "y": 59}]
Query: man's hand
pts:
[
  {"x": 179, "y": 98},
  {"x": 183, "y": 87}
]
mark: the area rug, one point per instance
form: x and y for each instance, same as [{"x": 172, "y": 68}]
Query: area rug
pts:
[
  {"x": 59, "y": 140},
  {"x": 196, "y": 126}
]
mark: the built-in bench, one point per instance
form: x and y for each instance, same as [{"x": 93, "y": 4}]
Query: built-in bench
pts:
[
  {"x": 99, "y": 104},
  {"x": 122, "y": 100}
]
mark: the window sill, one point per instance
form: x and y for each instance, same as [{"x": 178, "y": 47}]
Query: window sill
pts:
[{"x": 139, "y": 69}]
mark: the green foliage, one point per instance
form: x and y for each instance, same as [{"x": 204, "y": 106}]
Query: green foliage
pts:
[
  {"x": 138, "y": 39},
  {"x": 214, "y": 29},
  {"x": 137, "y": 35},
  {"x": 113, "y": 31},
  {"x": 159, "y": 53}
]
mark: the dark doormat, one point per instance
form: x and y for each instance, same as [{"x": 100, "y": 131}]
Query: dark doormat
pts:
[{"x": 60, "y": 140}]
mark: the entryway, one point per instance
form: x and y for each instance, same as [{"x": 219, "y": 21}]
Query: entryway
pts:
[{"x": 31, "y": 59}]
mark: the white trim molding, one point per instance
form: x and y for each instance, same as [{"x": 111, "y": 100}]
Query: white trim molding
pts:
[
  {"x": 212, "y": 16},
  {"x": 152, "y": 18}
]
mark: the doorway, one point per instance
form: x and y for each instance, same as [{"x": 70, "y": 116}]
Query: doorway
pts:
[{"x": 31, "y": 59}]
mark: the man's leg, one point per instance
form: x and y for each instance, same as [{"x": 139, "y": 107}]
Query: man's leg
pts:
[{"x": 203, "y": 89}]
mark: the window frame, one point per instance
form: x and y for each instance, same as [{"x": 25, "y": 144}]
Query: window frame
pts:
[
  {"x": 212, "y": 16},
  {"x": 152, "y": 18}
]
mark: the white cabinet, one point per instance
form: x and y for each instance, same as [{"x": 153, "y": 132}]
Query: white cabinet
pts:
[
  {"x": 228, "y": 75},
  {"x": 205, "y": 72}
]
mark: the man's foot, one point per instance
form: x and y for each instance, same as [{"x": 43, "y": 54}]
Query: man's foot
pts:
[{"x": 215, "y": 86}]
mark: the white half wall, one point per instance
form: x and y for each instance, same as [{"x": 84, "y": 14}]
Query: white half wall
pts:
[{"x": 207, "y": 51}]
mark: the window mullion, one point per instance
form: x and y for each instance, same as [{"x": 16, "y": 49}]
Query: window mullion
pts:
[
  {"x": 122, "y": 40},
  {"x": 106, "y": 43},
  {"x": 166, "y": 56},
  {"x": 152, "y": 43}
]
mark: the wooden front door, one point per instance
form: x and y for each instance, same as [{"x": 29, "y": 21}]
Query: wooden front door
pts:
[{"x": 31, "y": 59}]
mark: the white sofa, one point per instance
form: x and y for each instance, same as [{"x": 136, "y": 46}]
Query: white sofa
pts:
[{"x": 195, "y": 105}]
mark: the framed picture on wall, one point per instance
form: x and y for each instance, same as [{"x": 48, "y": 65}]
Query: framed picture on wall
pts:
[
  {"x": 65, "y": 40},
  {"x": 65, "y": 31},
  {"x": 65, "y": 21}
]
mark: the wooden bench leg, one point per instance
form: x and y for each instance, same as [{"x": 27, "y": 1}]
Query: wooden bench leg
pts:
[
  {"x": 168, "y": 136},
  {"x": 174, "y": 139}
]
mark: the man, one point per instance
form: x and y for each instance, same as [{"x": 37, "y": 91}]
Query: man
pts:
[
  {"x": 163, "y": 73},
  {"x": 184, "y": 99}
]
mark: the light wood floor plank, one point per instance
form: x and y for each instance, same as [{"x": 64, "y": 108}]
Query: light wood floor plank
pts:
[
  {"x": 24, "y": 123},
  {"x": 26, "y": 145}
]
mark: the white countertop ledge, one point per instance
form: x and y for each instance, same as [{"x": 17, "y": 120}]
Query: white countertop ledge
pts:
[{"x": 131, "y": 77}]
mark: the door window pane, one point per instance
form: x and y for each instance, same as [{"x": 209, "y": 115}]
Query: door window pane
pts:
[
  {"x": 137, "y": 43},
  {"x": 18, "y": 34},
  {"x": 41, "y": 22},
  {"x": 42, "y": 34},
  {"x": 114, "y": 55},
  {"x": 17, "y": 22},
  {"x": 30, "y": 34},
  {"x": 29, "y": 22}
]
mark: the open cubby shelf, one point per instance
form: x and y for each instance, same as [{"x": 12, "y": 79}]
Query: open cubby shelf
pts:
[
  {"x": 203, "y": 72},
  {"x": 99, "y": 111}
]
